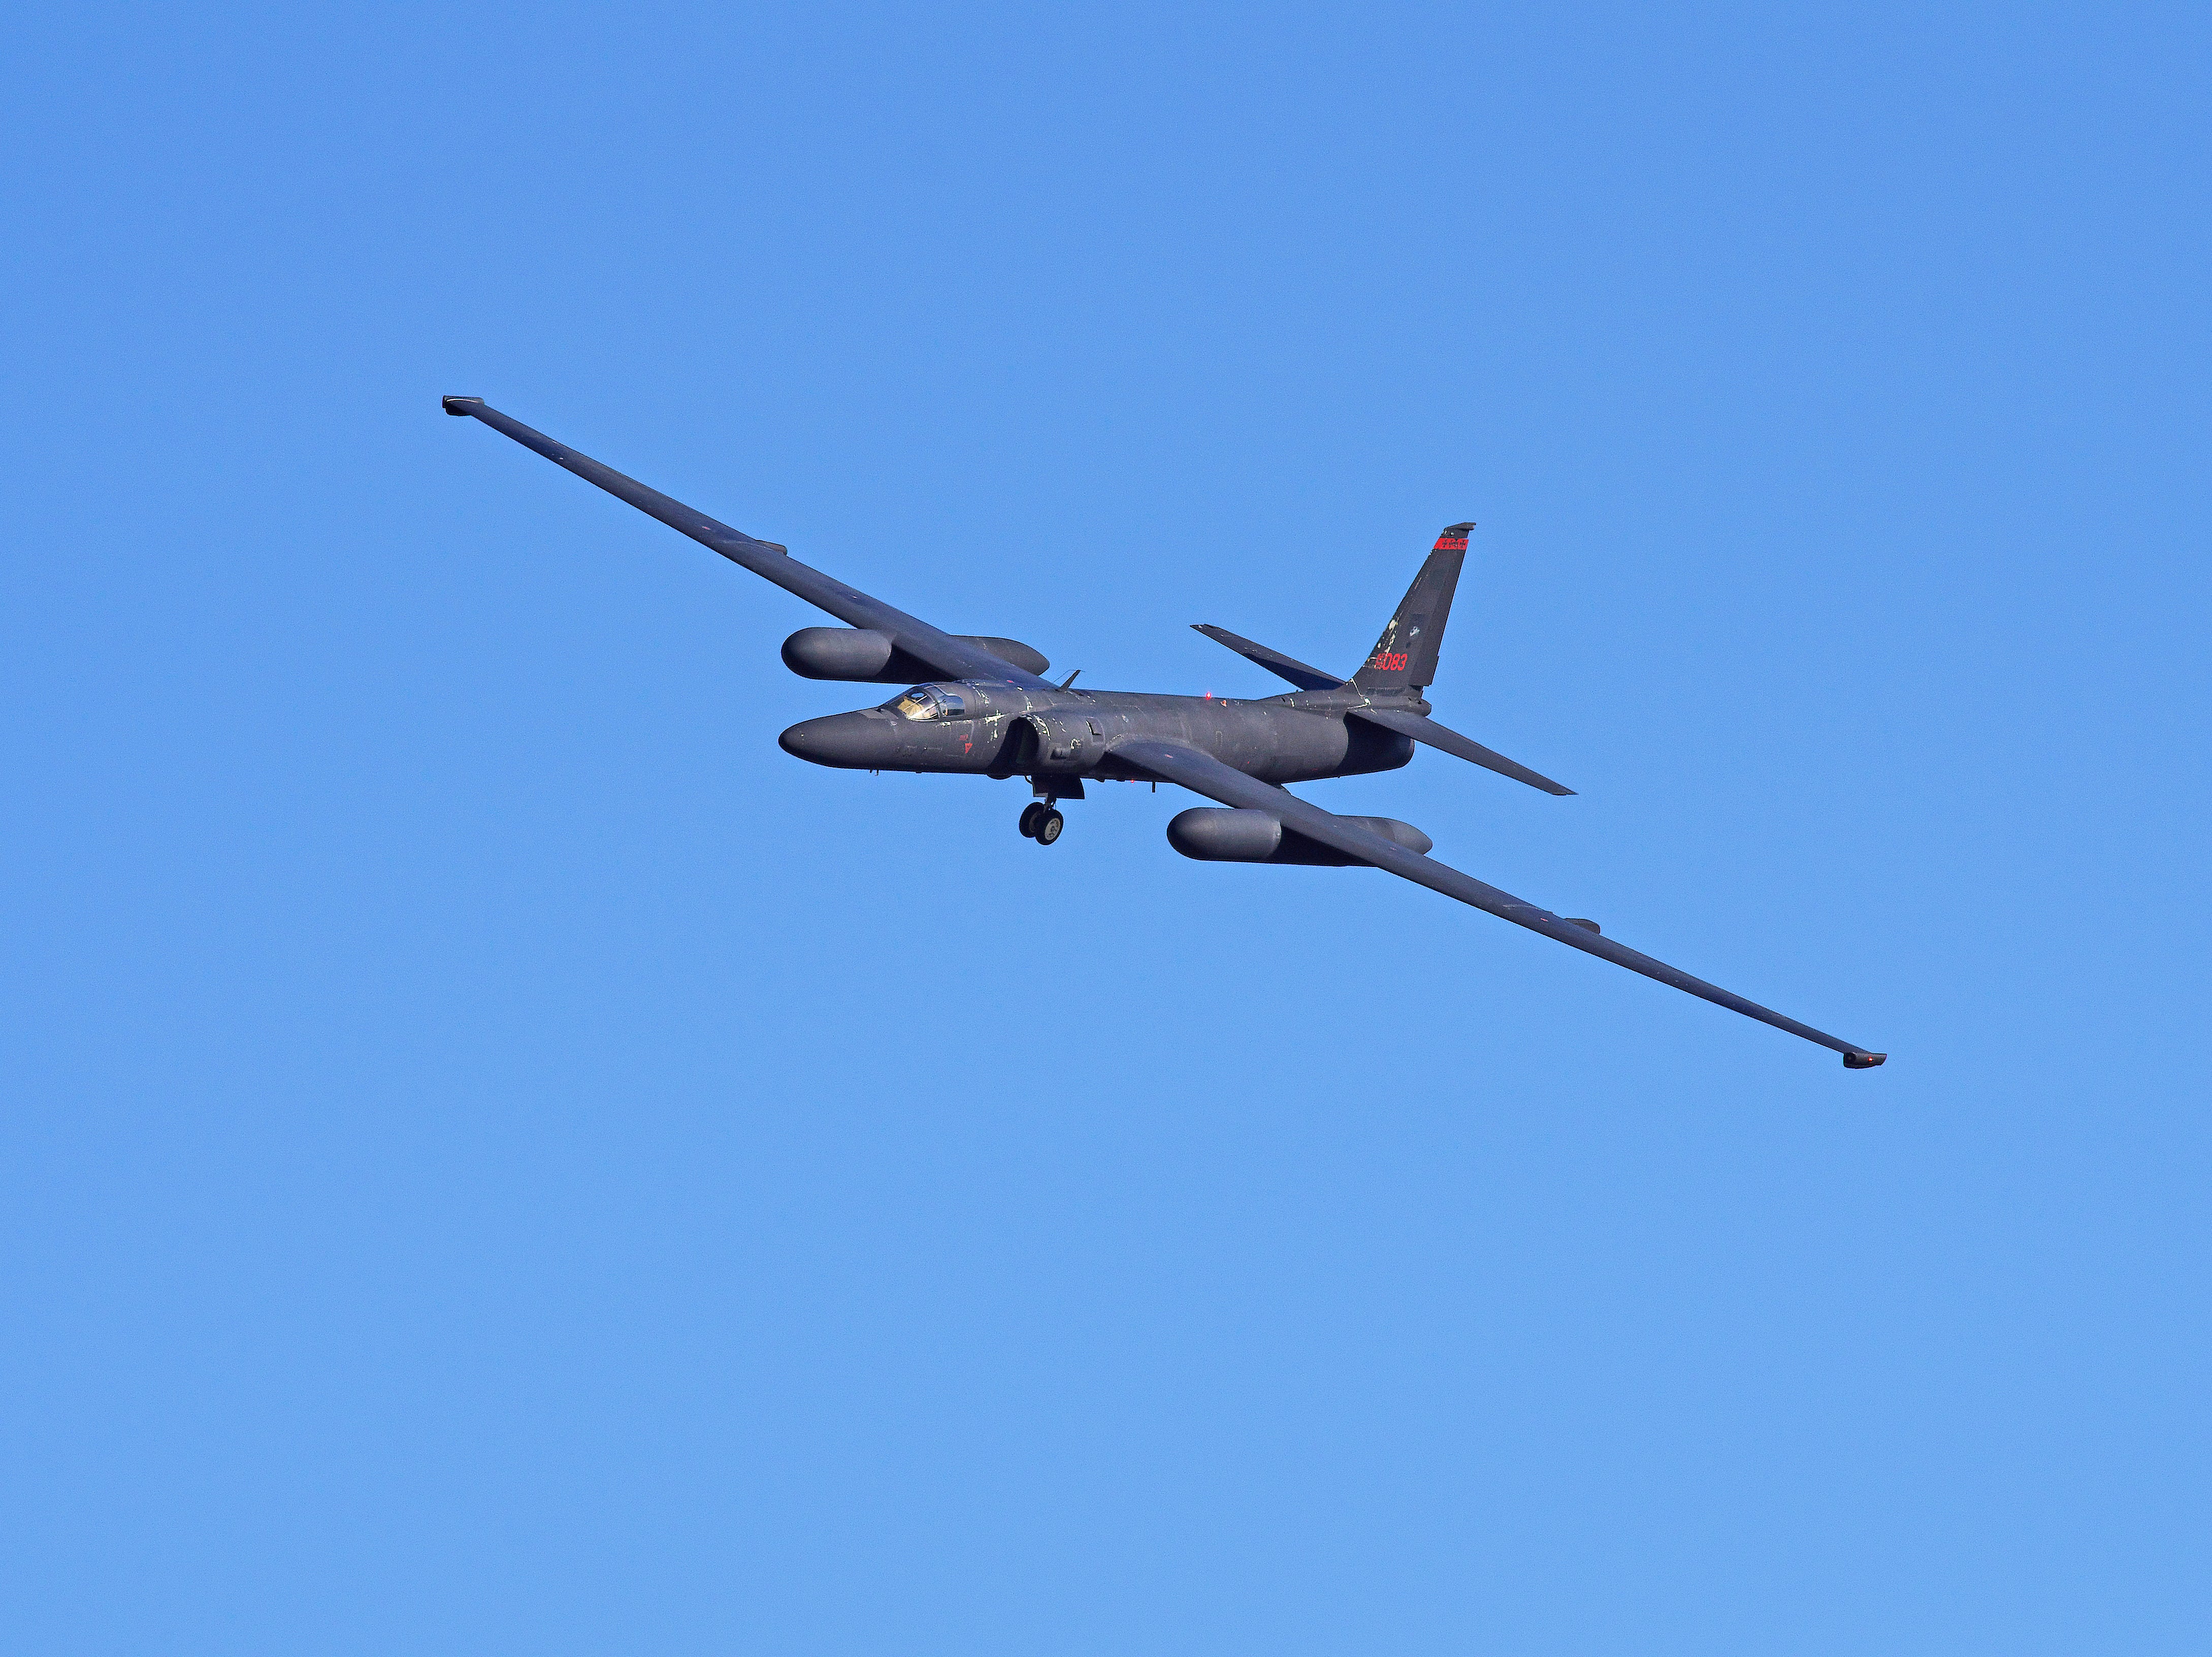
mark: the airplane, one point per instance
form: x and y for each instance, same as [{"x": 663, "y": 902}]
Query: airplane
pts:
[{"x": 981, "y": 706}]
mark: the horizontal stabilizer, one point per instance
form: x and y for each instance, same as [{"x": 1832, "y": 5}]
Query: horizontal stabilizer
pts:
[
  {"x": 1423, "y": 728},
  {"x": 1282, "y": 666}
]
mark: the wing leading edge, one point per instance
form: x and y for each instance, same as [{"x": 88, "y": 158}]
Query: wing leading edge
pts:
[
  {"x": 955, "y": 658},
  {"x": 1204, "y": 774}
]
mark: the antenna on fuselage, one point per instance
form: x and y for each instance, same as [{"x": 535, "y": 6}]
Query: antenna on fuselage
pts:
[{"x": 1069, "y": 680}]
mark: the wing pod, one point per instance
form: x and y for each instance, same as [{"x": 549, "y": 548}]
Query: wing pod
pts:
[
  {"x": 866, "y": 656},
  {"x": 1214, "y": 835}
]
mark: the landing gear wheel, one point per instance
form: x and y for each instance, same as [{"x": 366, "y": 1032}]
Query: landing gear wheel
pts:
[
  {"x": 1048, "y": 827},
  {"x": 1030, "y": 813}
]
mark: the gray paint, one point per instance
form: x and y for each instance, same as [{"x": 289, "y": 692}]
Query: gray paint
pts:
[
  {"x": 992, "y": 713},
  {"x": 1212, "y": 834},
  {"x": 864, "y": 656}
]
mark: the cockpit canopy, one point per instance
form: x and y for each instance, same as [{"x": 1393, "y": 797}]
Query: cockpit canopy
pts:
[{"x": 929, "y": 701}]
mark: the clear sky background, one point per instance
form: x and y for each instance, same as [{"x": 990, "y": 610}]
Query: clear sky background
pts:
[{"x": 498, "y": 1158}]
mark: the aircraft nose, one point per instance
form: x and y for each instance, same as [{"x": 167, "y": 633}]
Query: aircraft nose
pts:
[{"x": 851, "y": 740}]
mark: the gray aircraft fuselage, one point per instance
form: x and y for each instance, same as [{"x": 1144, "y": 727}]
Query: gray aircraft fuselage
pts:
[{"x": 1003, "y": 730}]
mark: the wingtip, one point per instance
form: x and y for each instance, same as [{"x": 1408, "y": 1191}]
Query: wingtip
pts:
[
  {"x": 1864, "y": 1060},
  {"x": 460, "y": 407}
]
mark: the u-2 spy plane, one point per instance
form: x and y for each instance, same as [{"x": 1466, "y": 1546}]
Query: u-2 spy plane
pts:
[{"x": 981, "y": 706}]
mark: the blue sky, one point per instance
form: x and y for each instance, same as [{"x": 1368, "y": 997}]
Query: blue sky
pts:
[{"x": 501, "y": 1158}]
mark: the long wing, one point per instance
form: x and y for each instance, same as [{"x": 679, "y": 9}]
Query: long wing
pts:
[
  {"x": 1421, "y": 728},
  {"x": 955, "y": 658},
  {"x": 1204, "y": 774}
]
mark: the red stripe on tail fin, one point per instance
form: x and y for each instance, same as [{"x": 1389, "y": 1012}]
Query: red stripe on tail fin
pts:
[{"x": 1404, "y": 658}]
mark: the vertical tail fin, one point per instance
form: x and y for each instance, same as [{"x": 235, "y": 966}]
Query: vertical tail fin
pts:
[{"x": 1405, "y": 657}]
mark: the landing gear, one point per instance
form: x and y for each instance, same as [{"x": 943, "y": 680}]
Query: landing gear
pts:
[
  {"x": 1040, "y": 823},
  {"x": 1041, "y": 820}
]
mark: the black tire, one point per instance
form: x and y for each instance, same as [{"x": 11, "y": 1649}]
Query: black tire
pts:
[
  {"x": 1048, "y": 828},
  {"x": 1030, "y": 813}
]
